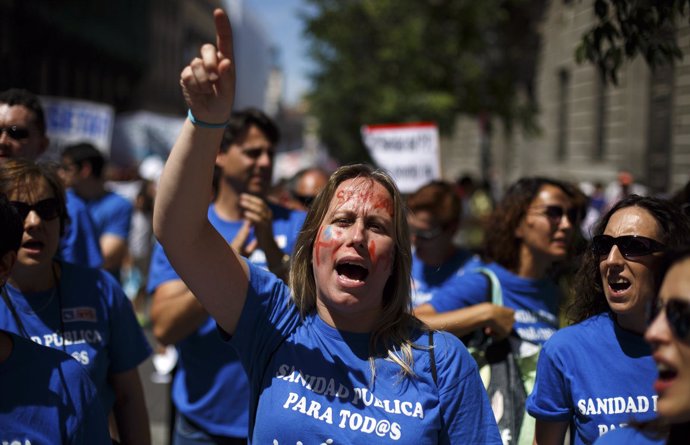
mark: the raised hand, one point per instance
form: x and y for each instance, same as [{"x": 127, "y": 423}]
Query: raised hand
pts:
[
  {"x": 257, "y": 211},
  {"x": 208, "y": 82}
]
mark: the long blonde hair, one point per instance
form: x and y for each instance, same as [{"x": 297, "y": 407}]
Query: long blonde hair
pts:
[{"x": 396, "y": 322}]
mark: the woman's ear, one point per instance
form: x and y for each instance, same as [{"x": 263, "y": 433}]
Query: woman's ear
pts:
[{"x": 6, "y": 264}]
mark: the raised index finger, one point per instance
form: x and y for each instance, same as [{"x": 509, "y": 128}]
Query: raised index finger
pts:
[{"x": 223, "y": 33}]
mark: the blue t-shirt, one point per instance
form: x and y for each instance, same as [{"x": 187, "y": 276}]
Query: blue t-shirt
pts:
[
  {"x": 628, "y": 436},
  {"x": 313, "y": 382},
  {"x": 427, "y": 279},
  {"x": 210, "y": 386},
  {"x": 535, "y": 301},
  {"x": 100, "y": 329},
  {"x": 47, "y": 398},
  {"x": 595, "y": 375},
  {"x": 80, "y": 244},
  {"x": 111, "y": 214}
]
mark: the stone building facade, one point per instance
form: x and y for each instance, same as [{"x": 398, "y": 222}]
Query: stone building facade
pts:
[{"x": 588, "y": 130}]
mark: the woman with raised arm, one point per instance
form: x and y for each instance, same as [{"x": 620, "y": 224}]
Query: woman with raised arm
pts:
[{"x": 336, "y": 358}]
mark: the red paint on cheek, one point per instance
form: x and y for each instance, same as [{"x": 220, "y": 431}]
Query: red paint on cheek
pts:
[
  {"x": 326, "y": 240},
  {"x": 372, "y": 252}
]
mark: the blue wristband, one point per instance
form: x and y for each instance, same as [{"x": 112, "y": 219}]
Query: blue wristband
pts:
[{"x": 197, "y": 123}]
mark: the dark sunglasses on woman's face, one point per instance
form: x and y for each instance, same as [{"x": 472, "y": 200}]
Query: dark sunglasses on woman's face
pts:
[
  {"x": 630, "y": 246},
  {"x": 677, "y": 316},
  {"x": 47, "y": 209},
  {"x": 427, "y": 235},
  {"x": 15, "y": 132},
  {"x": 555, "y": 214}
]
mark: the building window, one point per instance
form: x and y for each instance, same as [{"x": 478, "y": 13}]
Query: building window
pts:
[
  {"x": 562, "y": 124},
  {"x": 600, "y": 123}
]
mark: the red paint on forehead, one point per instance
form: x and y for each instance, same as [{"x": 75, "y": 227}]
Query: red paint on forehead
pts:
[
  {"x": 364, "y": 193},
  {"x": 384, "y": 203}
]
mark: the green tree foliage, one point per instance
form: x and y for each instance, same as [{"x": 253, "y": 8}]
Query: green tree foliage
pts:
[
  {"x": 382, "y": 61},
  {"x": 627, "y": 28}
]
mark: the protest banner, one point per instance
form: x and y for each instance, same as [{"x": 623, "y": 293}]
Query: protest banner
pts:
[
  {"x": 70, "y": 121},
  {"x": 409, "y": 152}
]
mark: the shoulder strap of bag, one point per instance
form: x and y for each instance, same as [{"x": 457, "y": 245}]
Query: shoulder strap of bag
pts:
[
  {"x": 432, "y": 357},
  {"x": 494, "y": 290}
]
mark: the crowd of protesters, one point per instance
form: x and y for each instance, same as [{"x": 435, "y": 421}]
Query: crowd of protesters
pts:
[{"x": 333, "y": 309}]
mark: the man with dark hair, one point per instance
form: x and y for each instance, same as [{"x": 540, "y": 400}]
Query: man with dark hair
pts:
[
  {"x": 46, "y": 394},
  {"x": 82, "y": 170},
  {"x": 210, "y": 388},
  {"x": 22, "y": 125},
  {"x": 434, "y": 218},
  {"x": 23, "y": 135}
]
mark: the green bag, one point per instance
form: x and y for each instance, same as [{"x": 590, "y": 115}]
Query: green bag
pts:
[{"x": 508, "y": 369}]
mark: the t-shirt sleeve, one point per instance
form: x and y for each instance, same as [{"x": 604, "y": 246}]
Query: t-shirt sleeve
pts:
[
  {"x": 267, "y": 318},
  {"x": 160, "y": 270},
  {"x": 550, "y": 399},
  {"x": 120, "y": 223},
  {"x": 91, "y": 423},
  {"x": 79, "y": 244},
  {"x": 460, "y": 291},
  {"x": 128, "y": 345},
  {"x": 465, "y": 407}
]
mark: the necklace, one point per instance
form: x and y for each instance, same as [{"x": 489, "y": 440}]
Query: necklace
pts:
[{"x": 15, "y": 314}]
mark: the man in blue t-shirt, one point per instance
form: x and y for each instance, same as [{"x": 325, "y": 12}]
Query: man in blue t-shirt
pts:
[
  {"x": 24, "y": 136},
  {"x": 81, "y": 169},
  {"x": 434, "y": 219},
  {"x": 210, "y": 389}
]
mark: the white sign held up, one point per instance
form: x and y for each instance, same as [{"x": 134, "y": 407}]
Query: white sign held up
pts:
[{"x": 409, "y": 152}]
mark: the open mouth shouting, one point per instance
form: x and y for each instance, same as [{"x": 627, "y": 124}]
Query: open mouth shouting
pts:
[
  {"x": 667, "y": 375},
  {"x": 351, "y": 273},
  {"x": 33, "y": 246},
  {"x": 618, "y": 284}
]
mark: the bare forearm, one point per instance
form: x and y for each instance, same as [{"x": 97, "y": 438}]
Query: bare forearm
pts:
[
  {"x": 185, "y": 179},
  {"x": 130, "y": 409},
  {"x": 459, "y": 322},
  {"x": 175, "y": 313}
]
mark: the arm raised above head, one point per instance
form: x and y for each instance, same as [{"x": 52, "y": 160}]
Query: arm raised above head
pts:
[{"x": 211, "y": 269}]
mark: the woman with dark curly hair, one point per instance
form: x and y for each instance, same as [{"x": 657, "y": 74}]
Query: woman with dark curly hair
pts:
[
  {"x": 597, "y": 375},
  {"x": 532, "y": 228},
  {"x": 669, "y": 335}
]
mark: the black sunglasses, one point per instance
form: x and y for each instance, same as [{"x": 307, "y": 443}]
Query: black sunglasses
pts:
[
  {"x": 306, "y": 200},
  {"x": 47, "y": 209},
  {"x": 427, "y": 235},
  {"x": 631, "y": 246},
  {"x": 555, "y": 213},
  {"x": 677, "y": 315},
  {"x": 15, "y": 132}
]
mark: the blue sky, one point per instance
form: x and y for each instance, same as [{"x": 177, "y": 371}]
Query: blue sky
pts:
[{"x": 284, "y": 27}]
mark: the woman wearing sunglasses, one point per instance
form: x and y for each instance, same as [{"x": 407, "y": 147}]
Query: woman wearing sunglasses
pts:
[
  {"x": 531, "y": 229},
  {"x": 597, "y": 375},
  {"x": 80, "y": 311},
  {"x": 669, "y": 335}
]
